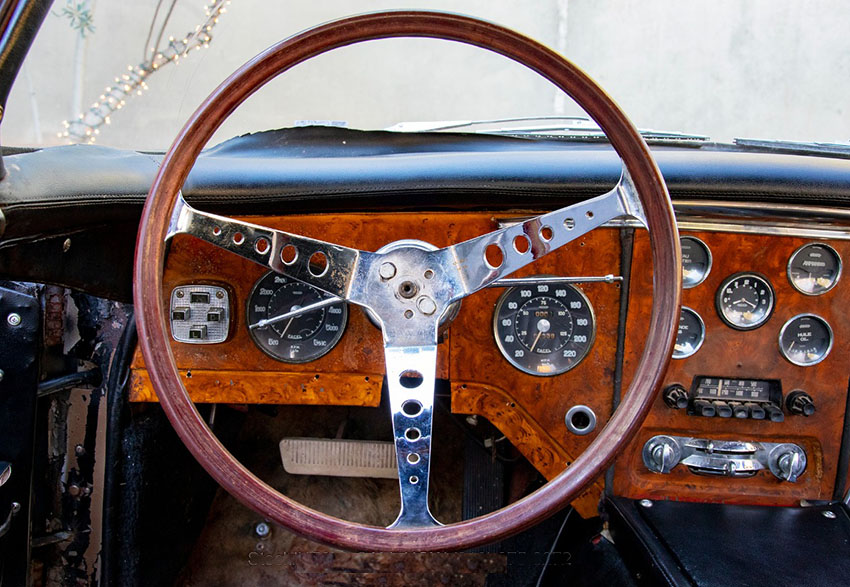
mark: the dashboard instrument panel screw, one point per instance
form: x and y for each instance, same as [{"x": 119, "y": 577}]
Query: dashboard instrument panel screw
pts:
[
  {"x": 14, "y": 319},
  {"x": 828, "y": 514},
  {"x": 647, "y": 503},
  {"x": 262, "y": 530}
]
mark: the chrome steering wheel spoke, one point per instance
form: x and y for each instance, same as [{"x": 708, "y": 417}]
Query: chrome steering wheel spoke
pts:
[{"x": 327, "y": 266}]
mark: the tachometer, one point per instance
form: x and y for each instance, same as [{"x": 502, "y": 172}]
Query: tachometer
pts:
[
  {"x": 745, "y": 301},
  {"x": 544, "y": 329},
  {"x": 301, "y": 338}
]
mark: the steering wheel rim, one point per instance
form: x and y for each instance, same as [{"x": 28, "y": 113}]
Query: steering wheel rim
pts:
[{"x": 150, "y": 261}]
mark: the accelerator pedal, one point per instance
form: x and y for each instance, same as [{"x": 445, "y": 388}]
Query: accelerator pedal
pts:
[{"x": 339, "y": 458}]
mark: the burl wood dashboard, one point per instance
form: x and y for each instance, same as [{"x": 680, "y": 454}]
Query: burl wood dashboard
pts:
[{"x": 530, "y": 410}]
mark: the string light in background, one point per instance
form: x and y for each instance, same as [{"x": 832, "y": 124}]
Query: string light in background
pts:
[{"x": 86, "y": 127}]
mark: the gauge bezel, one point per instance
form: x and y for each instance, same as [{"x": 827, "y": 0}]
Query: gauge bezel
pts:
[
  {"x": 578, "y": 359},
  {"x": 806, "y": 315},
  {"x": 718, "y": 303},
  {"x": 325, "y": 350},
  {"x": 701, "y": 338},
  {"x": 708, "y": 267},
  {"x": 796, "y": 252}
]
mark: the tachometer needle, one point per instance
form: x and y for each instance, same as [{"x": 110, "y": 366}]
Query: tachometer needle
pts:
[{"x": 295, "y": 312}]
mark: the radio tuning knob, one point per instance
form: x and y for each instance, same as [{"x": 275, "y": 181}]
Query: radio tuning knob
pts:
[
  {"x": 800, "y": 403},
  {"x": 676, "y": 397}
]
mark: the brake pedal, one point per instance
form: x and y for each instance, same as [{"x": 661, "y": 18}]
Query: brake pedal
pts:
[{"x": 339, "y": 458}]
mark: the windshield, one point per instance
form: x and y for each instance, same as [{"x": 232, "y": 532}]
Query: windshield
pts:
[{"x": 128, "y": 74}]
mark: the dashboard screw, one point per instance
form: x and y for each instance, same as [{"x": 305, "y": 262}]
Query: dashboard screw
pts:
[
  {"x": 262, "y": 530},
  {"x": 219, "y": 294},
  {"x": 647, "y": 503},
  {"x": 180, "y": 293},
  {"x": 828, "y": 514},
  {"x": 387, "y": 271},
  {"x": 14, "y": 319}
]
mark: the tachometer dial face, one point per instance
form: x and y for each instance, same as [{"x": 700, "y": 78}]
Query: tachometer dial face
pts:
[
  {"x": 805, "y": 340},
  {"x": 696, "y": 261},
  {"x": 301, "y": 338},
  {"x": 544, "y": 329},
  {"x": 745, "y": 301},
  {"x": 691, "y": 334},
  {"x": 814, "y": 269}
]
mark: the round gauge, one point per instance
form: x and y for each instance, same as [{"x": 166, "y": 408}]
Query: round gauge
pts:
[
  {"x": 691, "y": 334},
  {"x": 696, "y": 261},
  {"x": 745, "y": 301},
  {"x": 805, "y": 340},
  {"x": 298, "y": 339},
  {"x": 814, "y": 269},
  {"x": 544, "y": 329}
]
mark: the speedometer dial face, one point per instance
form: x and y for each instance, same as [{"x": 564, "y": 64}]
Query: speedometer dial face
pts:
[
  {"x": 544, "y": 329},
  {"x": 301, "y": 338},
  {"x": 814, "y": 269},
  {"x": 745, "y": 301},
  {"x": 805, "y": 340},
  {"x": 696, "y": 261},
  {"x": 691, "y": 334}
]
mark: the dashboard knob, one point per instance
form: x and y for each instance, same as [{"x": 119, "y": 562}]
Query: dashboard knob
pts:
[
  {"x": 787, "y": 462},
  {"x": 661, "y": 454},
  {"x": 800, "y": 403},
  {"x": 676, "y": 397}
]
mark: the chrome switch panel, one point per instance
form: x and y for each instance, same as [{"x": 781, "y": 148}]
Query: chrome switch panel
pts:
[{"x": 199, "y": 314}]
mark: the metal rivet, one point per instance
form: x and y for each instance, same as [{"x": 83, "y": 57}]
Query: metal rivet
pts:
[
  {"x": 219, "y": 294},
  {"x": 387, "y": 271},
  {"x": 828, "y": 514},
  {"x": 262, "y": 530},
  {"x": 14, "y": 319},
  {"x": 180, "y": 293},
  {"x": 647, "y": 503},
  {"x": 426, "y": 305}
]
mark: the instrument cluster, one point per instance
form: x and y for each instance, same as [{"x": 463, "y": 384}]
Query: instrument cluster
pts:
[{"x": 746, "y": 300}]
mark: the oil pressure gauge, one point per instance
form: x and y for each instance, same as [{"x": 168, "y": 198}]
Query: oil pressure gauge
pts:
[
  {"x": 805, "y": 340},
  {"x": 544, "y": 329},
  {"x": 814, "y": 269},
  {"x": 745, "y": 301}
]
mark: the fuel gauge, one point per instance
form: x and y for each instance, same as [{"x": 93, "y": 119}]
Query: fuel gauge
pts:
[{"x": 696, "y": 261}]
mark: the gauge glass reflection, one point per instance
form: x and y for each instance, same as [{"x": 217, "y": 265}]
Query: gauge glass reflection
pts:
[
  {"x": 691, "y": 334},
  {"x": 814, "y": 269},
  {"x": 745, "y": 301},
  {"x": 805, "y": 340},
  {"x": 696, "y": 261}
]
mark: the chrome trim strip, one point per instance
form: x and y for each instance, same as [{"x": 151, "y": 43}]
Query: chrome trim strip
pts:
[{"x": 2, "y": 224}]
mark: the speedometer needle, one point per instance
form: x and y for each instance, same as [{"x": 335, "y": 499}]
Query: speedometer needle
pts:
[
  {"x": 536, "y": 338},
  {"x": 294, "y": 313}
]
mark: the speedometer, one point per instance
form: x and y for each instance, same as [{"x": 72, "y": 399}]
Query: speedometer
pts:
[
  {"x": 544, "y": 329},
  {"x": 297, "y": 339}
]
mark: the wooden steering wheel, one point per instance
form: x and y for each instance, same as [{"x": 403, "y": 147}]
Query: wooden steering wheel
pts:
[{"x": 383, "y": 282}]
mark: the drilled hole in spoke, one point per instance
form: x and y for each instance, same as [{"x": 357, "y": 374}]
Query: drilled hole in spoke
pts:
[
  {"x": 589, "y": 214},
  {"x": 493, "y": 256},
  {"x": 414, "y": 479},
  {"x": 412, "y": 434},
  {"x": 238, "y": 238},
  {"x": 216, "y": 230},
  {"x": 411, "y": 408},
  {"x": 408, "y": 314},
  {"x": 546, "y": 233},
  {"x": 413, "y": 458},
  {"x": 429, "y": 274},
  {"x": 262, "y": 245},
  {"x": 569, "y": 223},
  {"x": 288, "y": 254},
  {"x": 411, "y": 379},
  {"x": 318, "y": 264},
  {"x": 521, "y": 244}
]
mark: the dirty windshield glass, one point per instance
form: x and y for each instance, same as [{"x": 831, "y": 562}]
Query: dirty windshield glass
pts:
[{"x": 128, "y": 74}]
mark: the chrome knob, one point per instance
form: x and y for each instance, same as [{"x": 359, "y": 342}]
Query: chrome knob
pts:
[
  {"x": 661, "y": 454},
  {"x": 787, "y": 462}
]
